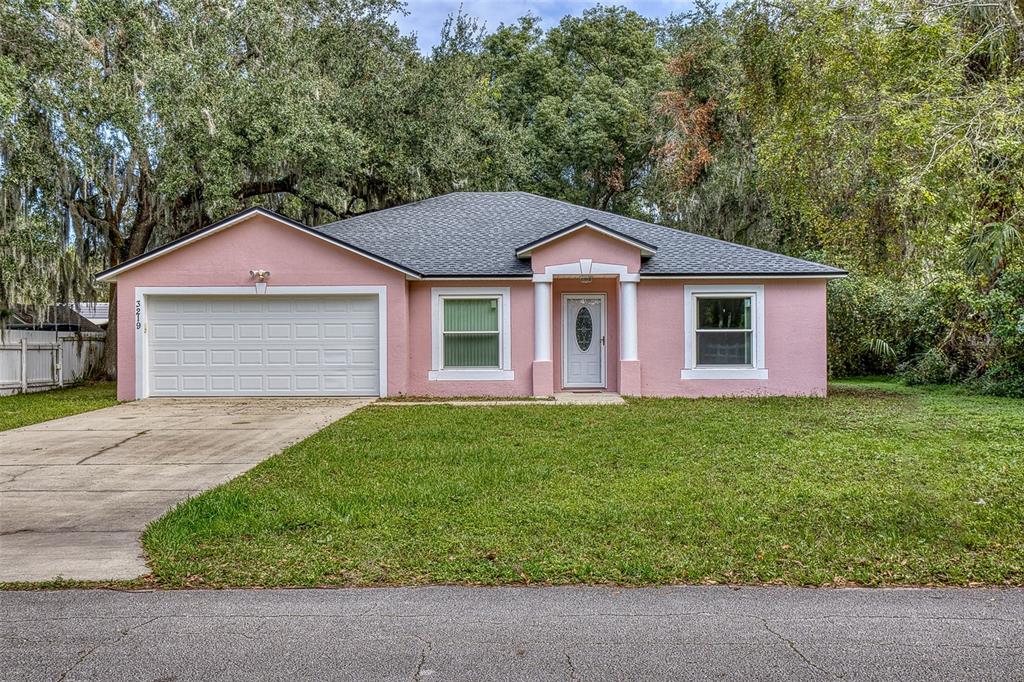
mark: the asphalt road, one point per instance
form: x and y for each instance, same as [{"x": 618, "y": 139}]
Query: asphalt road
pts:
[{"x": 449, "y": 633}]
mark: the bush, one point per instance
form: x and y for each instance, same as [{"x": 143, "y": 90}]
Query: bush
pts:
[
  {"x": 931, "y": 367},
  {"x": 943, "y": 331},
  {"x": 1003, "y": 308},
  {"x": 862, "y": 312}
]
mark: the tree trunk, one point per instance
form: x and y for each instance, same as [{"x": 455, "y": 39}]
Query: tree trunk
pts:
[
  {"x": 138, "y": 240},
  {"x": 110, "y": 344}
]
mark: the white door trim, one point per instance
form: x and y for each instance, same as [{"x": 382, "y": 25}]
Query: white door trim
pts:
[
  {"x": 141, "y": 336},
  {"x": 565, "y": 339}
]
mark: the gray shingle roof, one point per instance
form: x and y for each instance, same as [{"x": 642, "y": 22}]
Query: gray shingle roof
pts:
[{"x": 477, "y": 233}]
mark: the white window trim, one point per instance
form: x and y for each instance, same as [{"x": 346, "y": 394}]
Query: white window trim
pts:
[
  {"x": 502, "y": 373},
  {"x": 142, "y": 295},
  {"x": 690, "y": 369}
]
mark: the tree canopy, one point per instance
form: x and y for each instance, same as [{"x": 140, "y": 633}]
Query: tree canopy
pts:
[{"x": 885, "y": 137}]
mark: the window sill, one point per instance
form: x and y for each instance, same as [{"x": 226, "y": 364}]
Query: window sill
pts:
[
  {"x": 471, "y": 375},
  {"x": 724, "y": 373}
]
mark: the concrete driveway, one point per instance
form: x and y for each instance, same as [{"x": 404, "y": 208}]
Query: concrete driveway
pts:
[{"x": 76, "y": 493}]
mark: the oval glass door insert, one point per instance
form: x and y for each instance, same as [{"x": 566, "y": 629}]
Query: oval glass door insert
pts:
[{"x": 584, "y": 329}]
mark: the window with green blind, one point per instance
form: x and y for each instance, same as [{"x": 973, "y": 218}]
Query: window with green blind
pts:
[{"x": 470, "y": 336}]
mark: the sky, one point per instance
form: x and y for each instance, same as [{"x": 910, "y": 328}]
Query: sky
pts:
[{"x": 425, "y": 17}]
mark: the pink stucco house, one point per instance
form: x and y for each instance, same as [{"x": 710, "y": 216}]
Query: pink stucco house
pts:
[{"x": 492, "y": 294}]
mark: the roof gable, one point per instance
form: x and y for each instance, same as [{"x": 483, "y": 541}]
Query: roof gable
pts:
[
  {"x": 646, "y": 250},
  {"x": 112, "y": 273}
]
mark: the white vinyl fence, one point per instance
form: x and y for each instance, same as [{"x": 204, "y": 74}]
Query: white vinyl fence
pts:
[{"x": 41, "y": 360}]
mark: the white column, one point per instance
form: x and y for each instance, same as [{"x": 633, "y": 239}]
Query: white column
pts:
[
  {"x": 541, "y": 318},
  {"x": 627, "y": 318}
]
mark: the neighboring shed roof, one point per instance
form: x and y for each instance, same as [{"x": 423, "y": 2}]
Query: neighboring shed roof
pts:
[
  {"x": 95, "y": 312},
  {"x": 51, "y": 318},
  {"x": 478, "y": 233}
]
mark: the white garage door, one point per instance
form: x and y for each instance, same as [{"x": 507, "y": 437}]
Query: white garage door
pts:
[{"x": 263, "y": 345}]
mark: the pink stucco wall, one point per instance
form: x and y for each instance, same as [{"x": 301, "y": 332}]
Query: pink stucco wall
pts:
[
  {"x": 795, "y": 334},
  {"x": 586, "y": 243},
  {"x": 293, "y": 259},
  {"x": 795, "y": 341},
  {"x": 421, "y": 341}
]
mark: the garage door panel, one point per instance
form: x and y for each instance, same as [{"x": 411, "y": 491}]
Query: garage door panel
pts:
[
  {"x": 263, "y": 345},
  {"x": 164, "y": 383},
  {"x": 193, "y": 384},
  {"x": 335, "y": 356},
  {"x": 335, "y": 331},
  {"x": 307, "y": 331},
  {"x": 307, "y": 356},
  {"x": 193, "y": 358},
  {"x": 165, "y": 331},
  {"x": 250, "y": 357},
  {"x": 249, "y": 332},
  {"x": 364, "y": 357},
  {"x": 252, "y": 383},
  {"x": 363, "y": 382},
  {"x": 307, "y": 383},
  {"x": 364, "y": 331},
  {"x": 224, "y": 332},
  {"x": 278, "y": 356},
  {"x": 223, "y": 383},
  {"x": 222, "y": 356}
]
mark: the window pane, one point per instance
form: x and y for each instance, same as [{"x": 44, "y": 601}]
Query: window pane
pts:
[
  {"x": 471, "y": 350},
  {"x": 723, "y": 313},
  {"x": 584, "y": 329},
  {"x": 724, "y": 348},
  {"x": 471, "y": 315}
]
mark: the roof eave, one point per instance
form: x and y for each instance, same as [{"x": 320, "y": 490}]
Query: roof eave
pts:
[{"x": 836, "y": 274}]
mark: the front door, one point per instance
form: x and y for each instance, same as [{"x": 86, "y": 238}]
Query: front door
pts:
[{"x": 583, "y": 341}]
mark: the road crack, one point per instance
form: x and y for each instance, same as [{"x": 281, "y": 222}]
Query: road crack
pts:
[
  {"x": 424, "y": 652},
  {"x": 571, "y": 673},
  {"x": 89, "y": 652},
  {"x": 13, "y": 477},
  {"x": 111, "y": 447},
  {"x": 793, "y": 647}
]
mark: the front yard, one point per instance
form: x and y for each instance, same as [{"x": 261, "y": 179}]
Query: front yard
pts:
[
  {"x": 870, "y": 486},
  {"x": 26, "y": 409}
]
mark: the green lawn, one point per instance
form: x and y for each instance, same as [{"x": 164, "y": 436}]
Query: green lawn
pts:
[
  {"x": 870, "y": 486},
  {"x": 32, "y": 408}
]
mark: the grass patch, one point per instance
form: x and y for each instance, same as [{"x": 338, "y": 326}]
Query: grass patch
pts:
[
  {"x": 25, "y": 409},
  {"x": 875, "y": 485}
]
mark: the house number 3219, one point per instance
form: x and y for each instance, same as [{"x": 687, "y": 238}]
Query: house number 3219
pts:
[{"x": 138, "y": 314}]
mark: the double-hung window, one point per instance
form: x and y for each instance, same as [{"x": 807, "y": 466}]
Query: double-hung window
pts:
[
  {"x": 471, "y": 339},
  {"x": 724, "y": 332}
]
